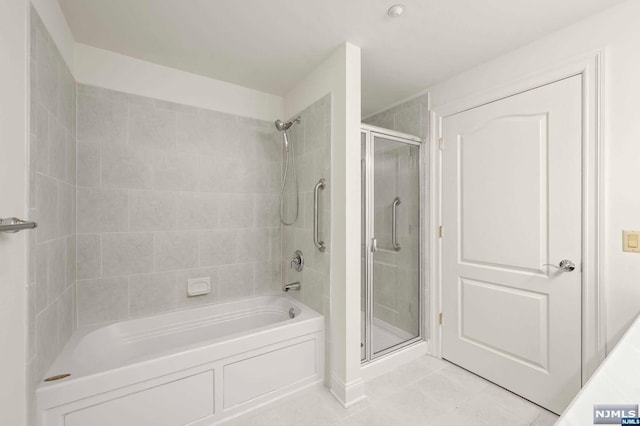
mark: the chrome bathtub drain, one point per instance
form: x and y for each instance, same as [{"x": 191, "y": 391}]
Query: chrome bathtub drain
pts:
[
  {"x": 58, "y": 377},
  {"x": 292, "y": 313}
]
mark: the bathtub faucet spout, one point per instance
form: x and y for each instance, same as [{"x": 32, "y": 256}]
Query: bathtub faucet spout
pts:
[{"x": 292, "y": 286}]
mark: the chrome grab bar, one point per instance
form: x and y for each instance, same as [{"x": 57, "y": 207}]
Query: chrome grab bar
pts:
[
  {"x": 13, "y": 224},
  {"x": 320, "y": 245},
  {"x": 394, "y": 224}
]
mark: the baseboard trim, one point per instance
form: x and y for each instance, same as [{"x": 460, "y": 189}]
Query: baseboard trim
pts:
[{"x": 347, "y": 394}]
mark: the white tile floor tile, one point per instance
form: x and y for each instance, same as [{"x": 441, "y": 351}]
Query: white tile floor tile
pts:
[{"x": 425, "y": 392}]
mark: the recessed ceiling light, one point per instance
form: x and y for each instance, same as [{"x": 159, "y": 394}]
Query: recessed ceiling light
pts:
[{"x": 396, "y": 10}]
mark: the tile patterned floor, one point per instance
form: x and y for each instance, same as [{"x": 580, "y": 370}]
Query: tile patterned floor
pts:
[{"x": 427, "y": 391}]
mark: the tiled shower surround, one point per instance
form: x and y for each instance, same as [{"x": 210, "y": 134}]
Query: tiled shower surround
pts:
[
  {"x": 168, "y": 192},
  {"x": 311, "y": 140},
  {"x": 51, "y": 313}
]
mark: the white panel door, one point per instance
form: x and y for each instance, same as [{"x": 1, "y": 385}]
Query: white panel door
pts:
[{"x": 512, "y": 203}]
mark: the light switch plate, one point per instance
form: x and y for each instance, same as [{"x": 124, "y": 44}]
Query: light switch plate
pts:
[{"x": 631, "y": 241}]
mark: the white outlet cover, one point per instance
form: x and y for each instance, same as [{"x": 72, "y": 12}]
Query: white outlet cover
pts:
[{"x": 198, "y": 286}]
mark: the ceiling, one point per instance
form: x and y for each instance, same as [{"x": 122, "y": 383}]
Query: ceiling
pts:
[{"x": 271, "y": 45}]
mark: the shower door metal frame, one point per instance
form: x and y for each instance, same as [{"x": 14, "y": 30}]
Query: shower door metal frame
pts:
[{"x": 370, "y": 132}]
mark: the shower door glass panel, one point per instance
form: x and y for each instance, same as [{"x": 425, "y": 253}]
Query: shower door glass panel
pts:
[{"x": 396, "y": 229}]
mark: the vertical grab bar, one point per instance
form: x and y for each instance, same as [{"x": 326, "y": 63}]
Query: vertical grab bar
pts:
[
  {"x": 320, "y": 245},
  {"x": 394, "y": 224}
]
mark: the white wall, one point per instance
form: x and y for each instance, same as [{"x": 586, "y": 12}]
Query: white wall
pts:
[
  {"x": 340, "y": 76},
  {"x": 13, "y": 193},
  {"x": 616, "y": 30},
  {"x": 98, "y": 67},
  {"x": 102, "y": 68}
]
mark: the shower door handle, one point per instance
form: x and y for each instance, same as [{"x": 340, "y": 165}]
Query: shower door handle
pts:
[
  {"x": 394, "y": 225},
  {"x": 320, "y": 245}
]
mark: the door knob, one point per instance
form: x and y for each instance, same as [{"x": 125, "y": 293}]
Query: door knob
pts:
[{"x": 564, "y": 265}]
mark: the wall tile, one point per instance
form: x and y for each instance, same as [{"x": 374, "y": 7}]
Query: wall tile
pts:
[
  {"x": 72, "y": 261},
  {"x": 152, "y": 127},
  {"x": 89, "y": 256},
  {"x": 42, "y": 276},
  {"x": 152, "y": 211},
  {"x": 197, "y": 211},
  {"x": 41, "y": 117},
  {"x": 267, "y": 210},
  {"x": 126, "y": 167},
  {"x": 250, "y": 177},
  {"x": 236, "y": 281},
  {"x": 253, "y": 245},
  {"x": 314, "y": 128},
  {"x": 217, "y": 174},
  {"x": 89, "y": 168},
  {"x": 66, "y": 306},
  {"x": 32, "y": 170},
  {"x": 47, "y": 205},
  {"x": 312, "y": 164},
  {"x": 217, "y": 247},
  {"x": 102, "y": 210},
  {"x": 408, "y": 119},
  {"x": 205, "y": 131},
  {"x": 266, "y": 278},
  {"x": 175, "y": 171},
  {"x": 31, "y": 322},
  {"x": 66, "y": 209},
  {"x": 384, "y": 119},
  {"x": 51, "y": 316},
  {"x": 175, "y": 250},
  {"x": 57, "y": 268},
  {"x": 102, "y": 300},
  {"x": 71, "y": 160},
  {"x": 167, "y": 187},
  {"x": 152, "y": 293},
  {"x": 126, "y": 254},
  {"x": 31, "y": 251},
  {"x": 46, "y": 339},
  {"x": 101, "y": 119},
  {"x": 112, "y": 95},
  {"x": 236, "y": 211},
  {"x": 258, "y": 140}
]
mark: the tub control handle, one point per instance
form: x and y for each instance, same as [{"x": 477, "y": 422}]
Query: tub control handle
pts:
[{"x": 297, "y": 261}]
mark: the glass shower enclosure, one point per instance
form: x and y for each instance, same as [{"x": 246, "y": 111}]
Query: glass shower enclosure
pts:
[{"x": 390, "y": 252}]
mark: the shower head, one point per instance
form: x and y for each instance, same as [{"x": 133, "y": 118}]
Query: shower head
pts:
[{"x": 282, "y": 126}]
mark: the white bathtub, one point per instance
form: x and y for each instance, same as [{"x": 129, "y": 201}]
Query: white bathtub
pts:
[{"x": 193, "y": 367}]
